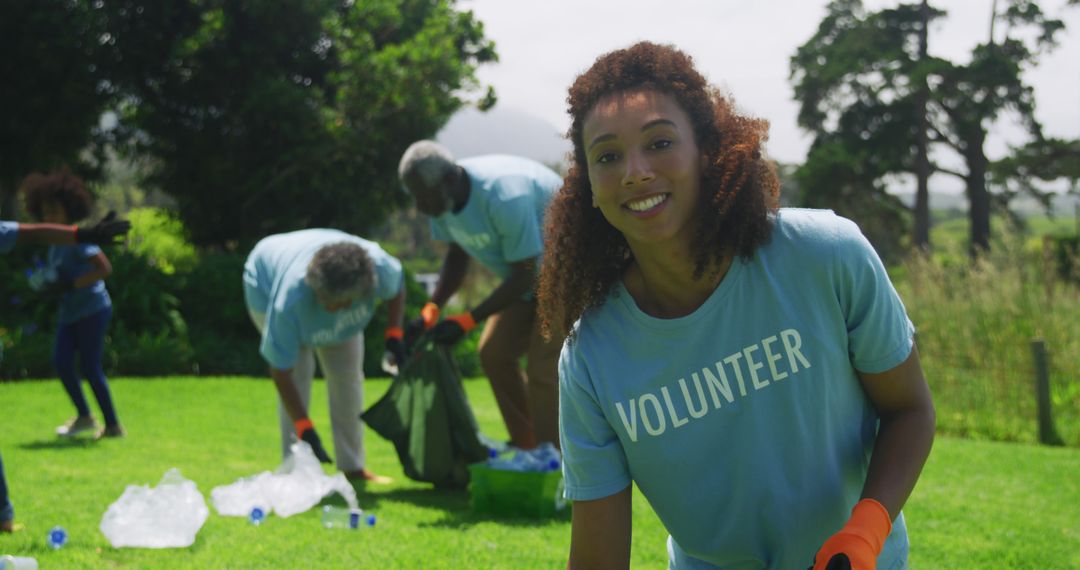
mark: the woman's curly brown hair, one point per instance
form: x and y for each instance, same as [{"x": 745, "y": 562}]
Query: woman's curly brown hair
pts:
[
  {"x": 584, "y": 254},
  {"x": 61, "y": 187}
]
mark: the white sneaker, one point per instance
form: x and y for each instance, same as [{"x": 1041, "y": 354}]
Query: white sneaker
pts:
[{"x": 77, "y": 425}]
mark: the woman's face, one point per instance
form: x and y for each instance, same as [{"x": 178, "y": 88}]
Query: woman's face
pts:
[
  {"x": 644, "y": 166},
  {"x": 53, "y": 213}
]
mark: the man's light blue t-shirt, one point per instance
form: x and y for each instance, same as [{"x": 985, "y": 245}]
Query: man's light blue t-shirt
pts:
[
  {"x": 9, "y": 231},
  {"x": 274, "y": 285},
  {"x": 503, "y": 220},
  {"x": 744, "y": 423},
  {"x": 70, "y": 262}
]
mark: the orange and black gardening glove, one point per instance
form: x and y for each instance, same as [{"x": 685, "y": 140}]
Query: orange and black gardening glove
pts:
[
  {"x": 429, "y": 315},
  {"x": 859, "y": 542},
  {"x": 395, "y": 345},
  {"x": 453, "y": 328},
  {"x": 305, "y": 430}
]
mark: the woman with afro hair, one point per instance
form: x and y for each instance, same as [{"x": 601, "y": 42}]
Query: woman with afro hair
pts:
[
  {"x": 750, "y": 368},
  {"x": 85, "y": 306}
]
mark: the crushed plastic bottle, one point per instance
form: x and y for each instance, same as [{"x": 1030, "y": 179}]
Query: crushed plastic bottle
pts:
[
  {"x": 257, "y": 516},
  {"x": 40, "y": 277},
  {"x": 166, "y": 516},
  {"x": 57, "y": 537},
  {"x": 18, "y": 563},
  {"x": 295, "y": 487},
  {"x": 344, "y": 517}
]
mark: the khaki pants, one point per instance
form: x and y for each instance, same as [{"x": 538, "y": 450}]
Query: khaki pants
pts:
[
  {"x": 343, "y": 367},
  {"x": 528, "y": 399}
]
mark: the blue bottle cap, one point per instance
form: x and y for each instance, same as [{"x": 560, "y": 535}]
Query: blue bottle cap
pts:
[{"x": 57, "y": 537}]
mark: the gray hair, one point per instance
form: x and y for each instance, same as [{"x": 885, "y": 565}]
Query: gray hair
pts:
[
  {"x": 427, "y": 159},
  {"x": 339, "y": 271}
]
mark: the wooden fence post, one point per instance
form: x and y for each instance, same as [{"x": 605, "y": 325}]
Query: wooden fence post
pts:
[{"x": 1047, "y": 433}]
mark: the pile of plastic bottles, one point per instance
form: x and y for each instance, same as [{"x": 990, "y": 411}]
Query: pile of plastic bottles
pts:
[{"x": 545, "y": 457}]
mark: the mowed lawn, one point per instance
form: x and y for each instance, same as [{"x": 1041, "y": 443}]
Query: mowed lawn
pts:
[{"x": 978, "y": 504}]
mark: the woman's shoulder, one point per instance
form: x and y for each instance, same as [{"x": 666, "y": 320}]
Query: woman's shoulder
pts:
[{"x": 813, "y": 229}]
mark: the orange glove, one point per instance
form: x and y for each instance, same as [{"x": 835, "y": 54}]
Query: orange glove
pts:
[
  {"x": 464, "y": 320},
  {"x": 453, "y": 328},
  {"x": 861, "y": 538},
  {"x": 430, "y": 314}
]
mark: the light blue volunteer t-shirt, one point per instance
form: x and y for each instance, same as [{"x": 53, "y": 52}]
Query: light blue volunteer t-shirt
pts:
[
  {"x": 743, "y": 423},
  {"x": 70, "y": 262},
  {"x": 503, "y": 220},
  {"x": 8, "y": 232},
  {"x": 274, "y": 285}
]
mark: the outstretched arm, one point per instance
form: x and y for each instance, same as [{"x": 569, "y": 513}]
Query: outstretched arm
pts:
[
  {"x": 45, "y": 234},
  {"x": 455, "y": 265}
]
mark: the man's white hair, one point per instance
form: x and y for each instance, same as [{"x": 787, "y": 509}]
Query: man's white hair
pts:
[{"x": 427, "y": 159}]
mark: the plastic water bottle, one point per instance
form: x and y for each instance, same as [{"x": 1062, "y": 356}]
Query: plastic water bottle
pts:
[
  {"x": 257, "y": 516},
  {"x": 547, "y": 457},
  {"x": 57, "y": 537},
  {"x": 344, "y": 517},
  {"x": 40, "y": 277},
  {"x": 18, "y": 563}
]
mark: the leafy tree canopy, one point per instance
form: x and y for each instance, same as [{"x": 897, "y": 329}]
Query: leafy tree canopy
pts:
[
  {"x": 53, "y": 91},
  {"x": 262, "y": 116}
]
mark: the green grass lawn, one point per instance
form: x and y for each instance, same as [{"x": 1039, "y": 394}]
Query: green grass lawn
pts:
[{"x": 978, "y": 505}]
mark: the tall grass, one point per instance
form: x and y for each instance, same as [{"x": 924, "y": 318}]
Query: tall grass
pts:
[{"x": 975, "y": 323}]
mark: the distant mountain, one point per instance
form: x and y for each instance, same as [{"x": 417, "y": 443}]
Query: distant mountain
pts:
[{"x": 504, "y": 131}]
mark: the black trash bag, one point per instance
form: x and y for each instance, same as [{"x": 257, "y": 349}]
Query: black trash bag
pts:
[{"x": 426, "y": 415}]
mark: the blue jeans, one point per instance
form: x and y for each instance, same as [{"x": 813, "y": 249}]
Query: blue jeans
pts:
[
  {"x": 87, "y": 337},
  {"x": 7, "y": 512}
]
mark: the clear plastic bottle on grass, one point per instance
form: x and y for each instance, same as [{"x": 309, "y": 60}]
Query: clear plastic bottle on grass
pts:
[
  {"x": 18, "y": 563},
  {"x": 344, "y": 517}
]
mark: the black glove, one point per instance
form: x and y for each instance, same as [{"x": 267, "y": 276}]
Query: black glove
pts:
[
  {"x": 396, "y": 347},
  {"x": 447, "y": 332},
  {"x": 839, "y": 562},
  {"x": 413, "y": 330},
  {"x": 313, "y": 440},
  {"x": 109, "y": 231}
]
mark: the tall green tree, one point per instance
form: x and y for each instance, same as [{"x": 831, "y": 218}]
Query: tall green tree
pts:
[
  {"x": 261, "y": 116},
  {"x": 53, "y": 92},
  {"x": 864, "y": 76},
  {"x": 853, "y": 79}
]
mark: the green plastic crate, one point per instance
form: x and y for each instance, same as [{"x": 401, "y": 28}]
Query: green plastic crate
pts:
[{"x": 515, "y": 493}]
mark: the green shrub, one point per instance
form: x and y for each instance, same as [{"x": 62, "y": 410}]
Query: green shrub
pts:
[
  {"x": 212, "y": 299},
  {"x": 159, "y": 237}
]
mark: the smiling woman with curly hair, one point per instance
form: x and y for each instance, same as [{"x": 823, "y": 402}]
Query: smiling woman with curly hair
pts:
[{"x": 750, "y": 368}]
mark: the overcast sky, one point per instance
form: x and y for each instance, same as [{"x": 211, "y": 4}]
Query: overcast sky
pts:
[{"x": 742, "y": 45}]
